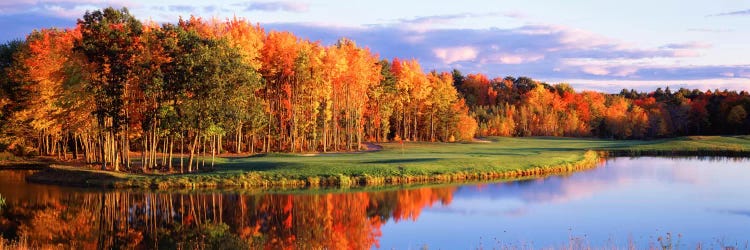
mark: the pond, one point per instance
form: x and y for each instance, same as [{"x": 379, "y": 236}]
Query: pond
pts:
[{"x": 640, "y": 202}]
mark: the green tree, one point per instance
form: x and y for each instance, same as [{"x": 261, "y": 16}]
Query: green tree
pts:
[
  {"x": 737, "y": 116},
  {"x": 210, "y": 85},
  {"x": 12, "y": 94},
  {"x": 111, "y": 44}
]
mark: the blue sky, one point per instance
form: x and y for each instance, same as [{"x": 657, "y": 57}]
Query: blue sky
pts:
[{"x": 597, "y": 45}]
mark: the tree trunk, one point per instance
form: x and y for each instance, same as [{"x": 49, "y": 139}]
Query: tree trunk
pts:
[
  {"x": 214, "y": 142},
  {"x": 144, "y": 141},
  {"x": 192, "y": 154},
  {"x": 171, "y": 147},
  {"x": 252, "y": 145},
  {"x": 102, "y": 149},
  {"x": 182, "y": 152},
  {"x": 239, "y": 139}
]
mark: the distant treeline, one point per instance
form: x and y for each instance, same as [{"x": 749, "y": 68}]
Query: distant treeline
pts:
[
  {"x": 523, "y": 107},
  {"x": 114, "y": 85}
]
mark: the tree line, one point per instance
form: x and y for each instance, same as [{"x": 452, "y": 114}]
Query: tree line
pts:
[
  {"x": 523, "y": 107},
  {"x": 114, "y": 85}
]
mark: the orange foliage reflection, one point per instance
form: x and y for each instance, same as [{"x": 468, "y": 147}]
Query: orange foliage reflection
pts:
[{"x": 90, "y": 220}]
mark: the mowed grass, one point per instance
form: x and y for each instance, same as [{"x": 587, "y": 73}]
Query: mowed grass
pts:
[
  {"x": 426, "y": 162},
  {"x": 502, "y": 154},
  {"x": 738, "y": 144}
]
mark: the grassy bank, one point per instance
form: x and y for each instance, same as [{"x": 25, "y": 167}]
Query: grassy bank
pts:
[
  {"x": 9, "y": 161},
  {"x": 409, "y": 163}
]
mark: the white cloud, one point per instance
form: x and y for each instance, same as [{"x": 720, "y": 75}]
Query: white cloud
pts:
[
  {"x": 73, "y": 12},
  {"x": 512, "y": 58},
  {"x": 595, "y": 70},
  {"x": 685, "y": 53},
  {"x": 454, "y": 54},
  {"x": 625, "y": 71},
  {"x": 569, "y": 38},
  {"x": 288, "y": 6}
]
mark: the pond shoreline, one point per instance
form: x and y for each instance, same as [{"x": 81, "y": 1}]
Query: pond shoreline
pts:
[
  {"x": 69, "y": 176},
  {"x": 66, "y": 176},
  {"x": 250, "y": 178},
  {"x": 23, "y": 165}
]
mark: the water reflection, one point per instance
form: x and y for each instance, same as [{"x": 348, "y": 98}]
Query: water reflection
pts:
[
  {"x": 89, "y": 220},
  {"x": 623, "y": 198}
]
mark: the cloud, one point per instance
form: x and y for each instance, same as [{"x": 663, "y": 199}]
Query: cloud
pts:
[
  {"x": 732, "y": 13},
  {"x": 455, "y": 54},
  {"x": 650, "y": 70},
  {"x": 595, "y": 70},
  {"x": 72, "y": 12},
  {"x": 544, "y": 52},
  {"x": 425, "y": 23},
  {"x": 710, "y": 30},
  {"x": 515, "y": 14},
  {"x": 70, "y": 9},
  {"x": 275, "y": 6},
  {"x": 181, "y": 8},
  {"x": 512, "y": 58},
  {"x": 688, "y": 45}
]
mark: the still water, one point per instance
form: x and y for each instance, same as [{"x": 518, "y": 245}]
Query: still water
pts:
[{"x": 641, "y": 202}]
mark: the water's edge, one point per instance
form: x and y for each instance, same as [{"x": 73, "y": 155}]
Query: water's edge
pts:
[{"x": 69, "y": 176}]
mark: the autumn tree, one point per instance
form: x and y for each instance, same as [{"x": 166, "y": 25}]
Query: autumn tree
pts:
[{"x": 111, "y": 43}]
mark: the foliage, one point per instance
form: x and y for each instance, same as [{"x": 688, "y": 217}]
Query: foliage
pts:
[
  {"x": 114, "y": 85},
  {"x": 524, "y": 107}
]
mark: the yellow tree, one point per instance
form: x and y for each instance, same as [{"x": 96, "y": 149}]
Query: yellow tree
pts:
[
  {"x": 278, "y": 57},
  {"x": 248, "y": 39},
  {"x": 46, "y": 64}
]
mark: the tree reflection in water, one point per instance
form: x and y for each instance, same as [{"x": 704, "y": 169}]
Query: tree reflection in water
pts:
[{"x": 147, "y": 220}]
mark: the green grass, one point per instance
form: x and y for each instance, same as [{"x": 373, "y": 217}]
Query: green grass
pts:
[
  {"x": 691, "y": 145},
  {"x": 418, "y": 162}
]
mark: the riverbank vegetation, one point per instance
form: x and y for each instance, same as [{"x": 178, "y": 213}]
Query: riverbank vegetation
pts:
[
  {"x": 131, "y": 95},
  {"x": 406, "y": 163}
]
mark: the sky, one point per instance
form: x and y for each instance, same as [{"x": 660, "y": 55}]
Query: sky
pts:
[{"x": 593, "y": 45}]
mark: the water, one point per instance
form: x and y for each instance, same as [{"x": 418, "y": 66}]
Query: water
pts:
[{"x": 641, "y": 202}]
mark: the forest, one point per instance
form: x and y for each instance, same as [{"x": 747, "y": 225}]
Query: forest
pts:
[{"x": 136, "y": 95}]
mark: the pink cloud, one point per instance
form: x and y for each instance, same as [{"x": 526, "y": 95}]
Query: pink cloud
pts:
[
  {"x": 289, "y": 6},
  {"x": 595, "y": 70},
  {"x": 512, "y": 58},
  {"x": 454, "y": 54}
]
